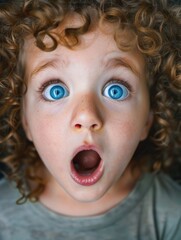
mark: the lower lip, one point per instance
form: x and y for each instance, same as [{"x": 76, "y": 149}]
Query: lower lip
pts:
[{"x": 87, "y": 180}]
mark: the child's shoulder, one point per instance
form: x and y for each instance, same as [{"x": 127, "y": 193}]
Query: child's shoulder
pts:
[
  {"x": 160, "y": 192},
  {"x": 12, "y": 215},
  {"x": 9, "y": 194},
  {"x": 164, "y": 201},
  {"x": 160, "y": 206},
  {"x": 167, "y": 191},
  {"x": 167, "y": 199},
  {"x": 8, "y": 191}
]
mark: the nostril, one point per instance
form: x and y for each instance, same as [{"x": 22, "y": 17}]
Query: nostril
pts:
[
  {"x": 94, "y": 126},
  {"x": 78, "y": 126}
]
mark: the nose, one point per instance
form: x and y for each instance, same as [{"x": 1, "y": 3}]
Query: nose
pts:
[{"x": 86, "y": 114}]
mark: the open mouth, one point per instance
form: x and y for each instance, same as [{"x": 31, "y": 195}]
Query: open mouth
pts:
[
  {"x": 85, "y": 162},
  {"x": 86, "y": 167}
]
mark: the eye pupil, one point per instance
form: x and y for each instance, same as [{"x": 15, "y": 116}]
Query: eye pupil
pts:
[
  {"x": 115, "y": 92},
  {"x": 57, "y": 92}
]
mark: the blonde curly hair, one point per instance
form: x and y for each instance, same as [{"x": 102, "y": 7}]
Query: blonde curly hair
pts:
[{"x": 156, "y": 27}]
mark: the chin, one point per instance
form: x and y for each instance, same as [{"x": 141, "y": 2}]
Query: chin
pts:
[{"x": 87, "y": 195}]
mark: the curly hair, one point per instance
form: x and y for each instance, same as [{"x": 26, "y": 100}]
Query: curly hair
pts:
[{"x": 156, "y": 28}]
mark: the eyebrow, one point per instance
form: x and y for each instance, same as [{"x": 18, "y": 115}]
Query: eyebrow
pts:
[
  {"x": 119, "y": 61},
  {"x": 43, "y": 66},
  {"x": 112, "y": 63}
]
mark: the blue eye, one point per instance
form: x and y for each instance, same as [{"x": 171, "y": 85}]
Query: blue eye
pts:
[
  {"x": 116, "y": 91},
  {"x": 55, "y": 92}
]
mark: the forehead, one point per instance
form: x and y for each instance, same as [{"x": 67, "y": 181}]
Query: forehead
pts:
[{"x": 98, "y": 45}]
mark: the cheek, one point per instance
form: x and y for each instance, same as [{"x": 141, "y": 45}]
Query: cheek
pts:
[
  {"x": 124, "y": 132},
  {"x": 125, "y": 137},
  {"x": 48, "y": 139},
  {"x": 122, "y": 140},
  {"x": 127, "y": 124},
  {"x": 46, "y": 131},
  {"x": 42, "y": 120}
]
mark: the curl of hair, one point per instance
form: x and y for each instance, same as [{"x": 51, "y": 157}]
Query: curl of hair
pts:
[{"x": 156, "y": 29}]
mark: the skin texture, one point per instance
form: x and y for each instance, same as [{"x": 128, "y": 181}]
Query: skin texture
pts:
[{"x": 86, "y": 118}]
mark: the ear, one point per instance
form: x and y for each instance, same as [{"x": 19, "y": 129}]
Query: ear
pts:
[
  {"x": 26, "y": 127},
  {"x": 147, "y": 126}
]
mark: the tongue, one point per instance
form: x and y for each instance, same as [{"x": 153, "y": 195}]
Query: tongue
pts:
[{"x": 86, "y": 161}]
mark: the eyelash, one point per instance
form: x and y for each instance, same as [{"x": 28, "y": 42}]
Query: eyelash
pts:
[
  {"x": 48, "y": 83},
  {"x": 120, "y": 81}
]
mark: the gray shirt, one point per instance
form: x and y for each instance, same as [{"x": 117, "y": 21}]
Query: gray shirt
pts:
[{"x": 151, "y": 211}]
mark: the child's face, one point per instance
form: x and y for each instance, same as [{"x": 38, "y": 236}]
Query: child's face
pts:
[{"x": 94, "y": 98}]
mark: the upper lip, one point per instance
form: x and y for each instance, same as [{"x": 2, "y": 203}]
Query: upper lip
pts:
[{"x": 86, "y": 147}]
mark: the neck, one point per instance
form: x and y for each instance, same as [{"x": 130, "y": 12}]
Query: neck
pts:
[{"x": 57, "y": 200}]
